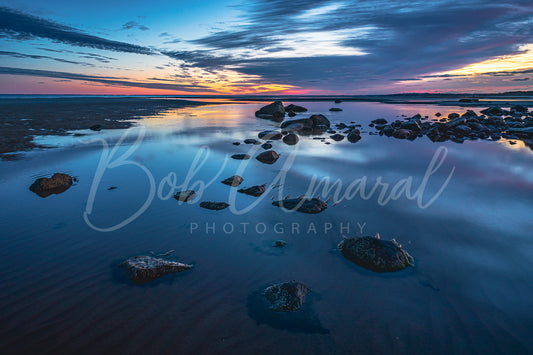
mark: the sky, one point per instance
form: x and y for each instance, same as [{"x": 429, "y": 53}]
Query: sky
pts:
[{"x": 234, "y": 47}]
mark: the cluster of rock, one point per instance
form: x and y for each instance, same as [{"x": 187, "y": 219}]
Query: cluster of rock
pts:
[
  {"x": 494, "y": 123},
  {"x": 287, "y": 296},
  {"x": 146, "y": 268}
]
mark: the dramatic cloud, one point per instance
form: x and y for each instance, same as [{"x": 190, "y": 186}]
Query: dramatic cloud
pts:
[
  {"x": 20, "y": 26},
  {"x": 369, "y": 40},
  {"x": 133, "y": 24},
  {"x": 33, "y": 56}
]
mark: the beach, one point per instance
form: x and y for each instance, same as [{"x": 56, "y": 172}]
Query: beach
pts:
[{"x": 465, "y": 221}]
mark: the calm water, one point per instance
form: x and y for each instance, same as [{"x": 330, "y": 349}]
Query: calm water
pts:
[{"x": 470, "y": 291}]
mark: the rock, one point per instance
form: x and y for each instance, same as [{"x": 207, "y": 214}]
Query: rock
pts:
[
  {"x": 337, "y": 137},
  {"x": 335, "y": 109},
  {"x": 273, "y": 135},
  {"x": 402, "y": 133},
  {"x": 295, "y": 108},
  {"x": 469, "y": 100},
  {"x": 143, "y": 269},
  {"x": 438, "y": 114},
  {"x": 291, "y": 139},
  {"x": 298, "y": 124},
  {"x": 185, "y": 195},
  {"x": 250, "y": 141},
  {"x": 375, "y": 254},
  {"x": 464, "y": 130},
  {"x": 469, "y": 114},
  {"x": 493, "y": 111},
  {"x": 268, "y": 157},
  {"x": 286, "y": 297},
  {"x": 302, "y": 204},
  {"x": 214, "y": 205},
  {"x": 519, "y": 108},
  {"x": 279, "y": 243},
  {"x": 256, "y": 191},
  {"x": 234, "y": 181},
  {"x": 275, "y": 111},
  {"x": 112, "y": 188},
  {"x": 320, "y": 120},
  {"x": 96, "y": 127},
  {"x": 266, "y": 146},
  {"x": 453, "y": 115},
  {"x": 57, "y": 184},
  {"x": 380, "y": 121},
  {"x": 291, "y": 113},
  {"x": 354, "y": 136},
  {"x": 236, "y": 143},
  {"x": 338, "y": 101},
  {"x": 240, "y": 156}
]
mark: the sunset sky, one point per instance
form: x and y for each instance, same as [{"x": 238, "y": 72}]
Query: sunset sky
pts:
[{"x": 261, "y": 47}]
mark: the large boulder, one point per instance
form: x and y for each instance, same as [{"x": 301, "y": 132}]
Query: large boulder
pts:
[
  {"x": 375, "y": 254},
  {"x": 291, "y": 139},
  {"x": 275, "y": 111},
  {"x": 287, "y": 296},
  {"x": 320, "y": 120},
  {"x": 270, "y": 135},
  {"x": 145, "y": 268},
  {"x": 494, "y": 111},
  {"x": 302, "y": 204},
  {"x": 57, "y": 184}
]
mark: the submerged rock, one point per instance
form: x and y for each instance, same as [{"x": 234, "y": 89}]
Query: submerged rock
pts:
[
  {"x": 57, "y": 184},
  {"x": 214, "y": 205},
  {"x": 236, "y": 143},
  {"x": 275, "y": 111},
  {"x": 337, "y": 137},
  {"x": 354, "y": 136},
  {"x": 256, "y": 191},
  {"x": 279, "y": 243},
  {"x": 291, "y": 139},
  {"x": 286, "y": 297},
  {"x": 268, "y": 157},
  {"x": 96, "y": 127},
  {"x": 270, "y": 135},
  {"x": 302, "y": 204},
  {"x": 143, "y": 269},
  {"x": 234, "y": 180},
  {"x": 185, "y": 196},
  {"x": 335, "y": 109},
  {"x": 266, "y": 146},
  {"x": 250, "y": 141},
  {"x": 240, "y": 156},
  {"x": 375, "y": 254},
  {"x": 295, "y": 108}
]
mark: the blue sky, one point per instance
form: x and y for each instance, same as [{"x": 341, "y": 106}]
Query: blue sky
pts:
[{"x": 259, "y": 46}]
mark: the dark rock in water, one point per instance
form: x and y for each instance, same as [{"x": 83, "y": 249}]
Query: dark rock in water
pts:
[
  {"x": 291, "y": 139},
  {"x": 275, "y": 111},
  {"x": 438, "y": 114},
  {"x": 335, "y": 109},
  {"x": 286, "y": 297},
  {"x": 469, "y": 114},
  {"x": 112, "y": 188},
  {"x": 273, "y": 135},
  {"x": 337, "y": 137},
  {"x": 338, "y": 101},
  {"x": 96, "y": 127},
  {"x": 291, "y": 113},
  {"x": 143, "y": 269},
  {"x": 380, "y": 121},
  {"x": 185, "y": 196},
  {"x": 57, "y": 184},
  {"x": 375, "y": 254},
  {"x": 402, "y": 133},
  {"x": 493, "y": 111},
  {"x": 295, "y": 108},
  {"x": 354, "y": 136},
  {"x": 268, "y": 157},
  {"x": 453, "y": 115},
  {"x": 234, "y": 181},
  {"x": 236, "y": 143},
  {"x": 266, "y": 146},
  {"x": 464, "y": 130},
  {"x": 519, "y": 109},
  {"x": 279, "y": 243},
  {"x": 214, "y": 205},
  {"x": 256, "y": 191},
  {"x": 302, "y": 204},
  {"x": 298, "y": 124},
  {"x": 240, "y": 156},
  {"x": 469, "y": 100},
  {"x": 320, "y": 120},
  {"x": 250, "y": 141}
]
